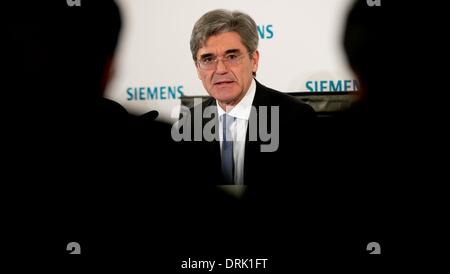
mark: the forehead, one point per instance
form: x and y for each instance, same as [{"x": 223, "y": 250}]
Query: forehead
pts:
[{"x": 220, "y": 43}]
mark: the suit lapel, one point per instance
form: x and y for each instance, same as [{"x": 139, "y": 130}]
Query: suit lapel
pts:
[
  {"x": 252, "y": 148},
  {"x": 214, "y": 146},
  {"x": 211, "y": 103}
]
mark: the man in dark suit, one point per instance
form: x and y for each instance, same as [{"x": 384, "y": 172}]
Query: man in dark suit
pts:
[{"x": 246, "y": 129}]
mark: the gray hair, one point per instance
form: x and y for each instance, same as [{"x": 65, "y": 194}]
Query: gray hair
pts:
[{"x": 219, "y": 21}]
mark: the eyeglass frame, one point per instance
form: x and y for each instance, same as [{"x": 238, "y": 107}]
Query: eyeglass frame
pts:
[{"x": 226, "y": 62}]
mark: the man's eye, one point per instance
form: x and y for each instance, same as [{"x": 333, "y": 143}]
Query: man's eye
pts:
[
  {"x": 231, "y": 56},
  {"x": 207, "y": 60}
]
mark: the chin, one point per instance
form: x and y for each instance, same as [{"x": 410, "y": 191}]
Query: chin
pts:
[
  {"x": 224, "y": 97},
  {"x": 221, "y": 92}
]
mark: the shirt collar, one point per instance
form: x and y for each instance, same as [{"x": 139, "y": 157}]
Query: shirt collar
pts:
[{"x": 243, "y": 108}]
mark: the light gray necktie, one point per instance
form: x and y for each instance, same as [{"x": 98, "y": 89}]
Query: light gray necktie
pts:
[{"x": 227, "y": 149}]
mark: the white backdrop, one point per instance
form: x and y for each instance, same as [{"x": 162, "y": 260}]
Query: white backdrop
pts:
[{"x": 300, "y": 41}]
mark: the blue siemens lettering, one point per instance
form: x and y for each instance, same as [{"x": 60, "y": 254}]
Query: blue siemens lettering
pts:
[
  {"x": 162, "y": 93},
  {"x": 154, "y": 93},
  {"x": 332, "y": 85},
  {"x": 265, "y": 31},
  {"x": 129, "y": 94}
]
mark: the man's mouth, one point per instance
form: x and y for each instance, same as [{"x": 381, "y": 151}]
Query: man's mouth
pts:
[{"x": 223, "y": 82}]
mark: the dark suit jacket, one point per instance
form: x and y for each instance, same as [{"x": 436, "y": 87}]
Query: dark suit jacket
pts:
[{"x": 259, "y": 167}]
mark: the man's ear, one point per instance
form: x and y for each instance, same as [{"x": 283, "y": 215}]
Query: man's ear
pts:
[
  {"x": 255, "y": 60},
  {"x": 108, "y": 73},
  {"x": 362, "y": 90}
]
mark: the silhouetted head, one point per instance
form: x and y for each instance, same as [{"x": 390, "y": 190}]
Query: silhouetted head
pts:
[
  {"x": 375, "y": 40},
  {"x": 87, "y": 42},
  {"x": 58, "y": 56}
]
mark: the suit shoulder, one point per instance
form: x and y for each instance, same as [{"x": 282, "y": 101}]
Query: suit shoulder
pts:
[{"x": 289, "y": 102}]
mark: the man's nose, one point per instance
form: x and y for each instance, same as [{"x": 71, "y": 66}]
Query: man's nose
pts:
[{"x": 221, "y": 67}]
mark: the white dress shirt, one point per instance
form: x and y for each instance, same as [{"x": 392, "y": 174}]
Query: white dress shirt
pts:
[{"x": 241, "y": 113}]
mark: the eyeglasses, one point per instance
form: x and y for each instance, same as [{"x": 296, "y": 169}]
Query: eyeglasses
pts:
[{"x": 210, "y": 62}]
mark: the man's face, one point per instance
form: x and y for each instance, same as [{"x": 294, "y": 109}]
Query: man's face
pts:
[{"x": 227, "y": 82}]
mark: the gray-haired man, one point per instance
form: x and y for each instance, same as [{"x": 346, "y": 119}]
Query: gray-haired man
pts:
[{"x": 254, "y": 125}]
